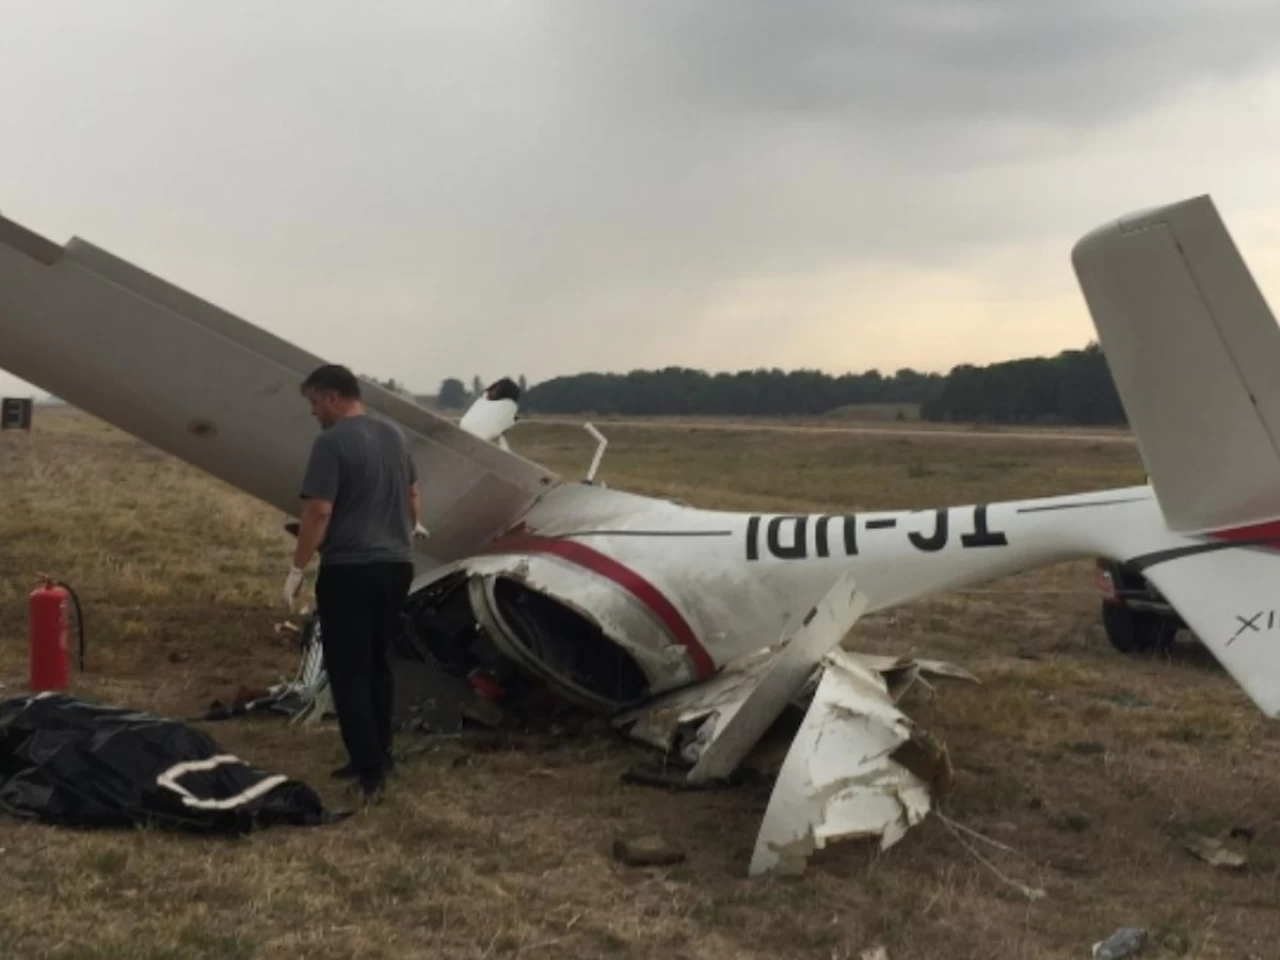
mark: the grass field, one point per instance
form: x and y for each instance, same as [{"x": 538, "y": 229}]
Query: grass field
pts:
[{"x": 1085, "y": 763}]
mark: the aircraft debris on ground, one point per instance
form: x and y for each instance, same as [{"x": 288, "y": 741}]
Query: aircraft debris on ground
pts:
[{"x": 700, "y": 627}]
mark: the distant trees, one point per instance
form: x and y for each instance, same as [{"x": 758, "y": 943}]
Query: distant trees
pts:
[
  {"x": 452, "y": 395},
  {"x": 1073, "y": 387},
  {"x": 680, "y": 390}
]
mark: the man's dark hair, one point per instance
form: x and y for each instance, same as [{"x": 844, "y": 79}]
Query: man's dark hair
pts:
[
  {"x": 504, "y": 389},
  {"x": 335, "y": 377}
]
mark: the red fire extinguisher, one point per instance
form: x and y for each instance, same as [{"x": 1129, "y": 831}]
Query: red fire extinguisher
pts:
[{"x": 50, "y": 633}]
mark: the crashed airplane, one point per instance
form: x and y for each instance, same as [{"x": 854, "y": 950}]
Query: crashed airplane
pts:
[{"x": 694, "y": 629}]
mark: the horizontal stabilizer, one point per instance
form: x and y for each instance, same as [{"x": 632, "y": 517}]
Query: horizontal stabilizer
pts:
[{"x": 1226, "y": 593}]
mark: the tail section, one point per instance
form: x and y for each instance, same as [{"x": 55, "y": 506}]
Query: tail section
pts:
[{"x": 1195, "y": 354}]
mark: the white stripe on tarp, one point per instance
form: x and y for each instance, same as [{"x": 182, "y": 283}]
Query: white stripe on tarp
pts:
[{"x": 169, "y": 780}]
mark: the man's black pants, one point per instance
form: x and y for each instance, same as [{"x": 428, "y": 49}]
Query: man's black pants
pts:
[{"x": 359, "y": 606}]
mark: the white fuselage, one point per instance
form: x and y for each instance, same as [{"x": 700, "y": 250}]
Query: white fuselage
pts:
[{"x": 685, "y": 590}]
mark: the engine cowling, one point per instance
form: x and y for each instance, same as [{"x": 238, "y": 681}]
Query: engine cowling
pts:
[{"x": 523, "y": 619}]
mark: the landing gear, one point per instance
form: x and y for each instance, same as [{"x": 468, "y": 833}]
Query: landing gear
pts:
[{"x": 1137, "y": 631}]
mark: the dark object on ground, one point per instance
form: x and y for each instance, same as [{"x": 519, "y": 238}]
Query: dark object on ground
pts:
[
  {"x": 1137, "y": 617},
  {"x": 15, "y": 413},
  {"x": 675, "y": 778},
  {"x": 650, "y": 851},
  {"x": 68, "y": 762},
  {"x": 245, "y": 700}
]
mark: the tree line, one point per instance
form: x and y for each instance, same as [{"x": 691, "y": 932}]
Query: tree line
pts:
[
  {"x": 683, "y": 391},
  {"x": 1073, "y": 387}
]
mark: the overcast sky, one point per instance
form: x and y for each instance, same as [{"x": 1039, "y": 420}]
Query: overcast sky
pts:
[{"x": 423, "y": 189}]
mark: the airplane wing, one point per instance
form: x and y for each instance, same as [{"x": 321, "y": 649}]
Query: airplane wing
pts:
[{"x": 221, "y": 393}]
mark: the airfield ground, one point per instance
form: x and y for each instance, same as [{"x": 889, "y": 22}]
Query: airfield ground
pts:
[{"x": 1084, "y": 762}]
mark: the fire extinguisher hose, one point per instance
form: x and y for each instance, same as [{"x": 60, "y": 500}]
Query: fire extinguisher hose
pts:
[{"x": 80, "y": 632}]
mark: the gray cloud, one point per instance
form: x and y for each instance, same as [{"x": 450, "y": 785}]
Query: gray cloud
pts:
[
  {"x": 504, "y": 186},
  {"x": 1077, "y": 63}
]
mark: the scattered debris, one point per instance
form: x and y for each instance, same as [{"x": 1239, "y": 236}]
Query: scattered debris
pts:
[
  {"x": 1125, "y": 942},
  {"x": 858, "y": 768},
  {"x": 237, "y": 696},
  {"x": 675, "y": 777},
  {"x": 647, "y": 851},
  {"x": 1213, "y": 852},
  {"x": 874, "y": 778}
]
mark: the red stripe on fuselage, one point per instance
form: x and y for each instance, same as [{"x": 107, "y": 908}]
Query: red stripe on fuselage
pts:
[
  {"x": 1260, "y": 534},
  {"x": 625, "y": 577}
]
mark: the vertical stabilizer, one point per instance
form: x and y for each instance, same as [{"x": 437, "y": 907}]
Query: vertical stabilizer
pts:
[{"x": 1195, "y": 353}]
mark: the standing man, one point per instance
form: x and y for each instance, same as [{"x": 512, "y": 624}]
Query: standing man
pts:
[{"x": 360, "y": 511}]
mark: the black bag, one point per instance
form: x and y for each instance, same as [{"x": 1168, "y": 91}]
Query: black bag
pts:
[{"x": 69, "y": 762}]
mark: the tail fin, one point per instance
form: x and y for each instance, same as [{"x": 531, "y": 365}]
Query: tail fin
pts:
[{"x": 1195, "y": 353}]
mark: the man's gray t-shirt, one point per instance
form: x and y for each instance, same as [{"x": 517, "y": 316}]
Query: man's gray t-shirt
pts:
[{"x": 361, "y": 464}]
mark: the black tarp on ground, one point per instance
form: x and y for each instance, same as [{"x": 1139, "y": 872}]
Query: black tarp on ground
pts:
[{"x": 69, "y": 762}]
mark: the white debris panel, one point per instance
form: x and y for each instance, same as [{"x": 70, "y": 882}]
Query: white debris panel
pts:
[
  {"x": 700, "y": 709},
  {"x": 857, "y": 768},
  {"x": 742, "y": 701}
]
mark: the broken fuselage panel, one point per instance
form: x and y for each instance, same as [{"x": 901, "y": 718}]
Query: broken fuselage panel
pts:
[{"x": 510, "y": 638}]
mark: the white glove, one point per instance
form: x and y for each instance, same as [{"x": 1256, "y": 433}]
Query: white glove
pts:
[
  {"x": 421, "y": 532},
  {"x": 292, "y": 585}
]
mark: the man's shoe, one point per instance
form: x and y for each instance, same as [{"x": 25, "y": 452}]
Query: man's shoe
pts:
[{"x": 370, "y": 791}]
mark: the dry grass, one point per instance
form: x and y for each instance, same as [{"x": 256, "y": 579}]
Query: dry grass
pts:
[
  {"x": 836, "y": 421},
  {"x": 1081, "y": 759}
]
